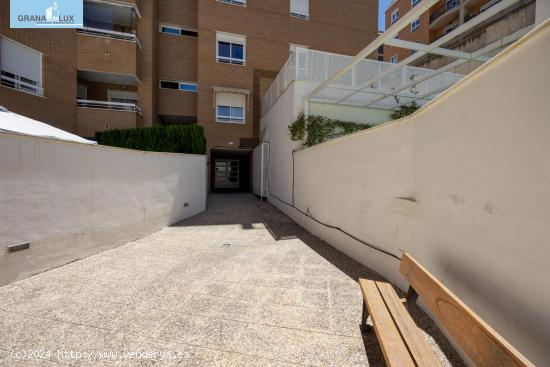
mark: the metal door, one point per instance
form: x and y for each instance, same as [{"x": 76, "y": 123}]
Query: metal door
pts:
[{"x": 227, "y": 174}]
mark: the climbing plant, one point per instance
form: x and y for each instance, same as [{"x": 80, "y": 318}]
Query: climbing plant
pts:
[
  {"x": 314, "y": 130},
  {"x": 405, "y": 110}
]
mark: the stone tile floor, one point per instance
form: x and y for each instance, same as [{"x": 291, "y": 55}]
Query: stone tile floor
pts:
[{"x": 239, "y": 285}]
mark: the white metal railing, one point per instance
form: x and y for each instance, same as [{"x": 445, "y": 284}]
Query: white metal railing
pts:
[
  {"x": 19, "y": 84},
  {"x": 317, "y": 66},
  {"x": 286, "y": 76},
  {"x": 132, "y": 37},
  {"x": 106, "y": 105}
]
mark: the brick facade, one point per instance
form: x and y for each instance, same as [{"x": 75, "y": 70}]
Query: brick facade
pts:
[
  {"x": 440, "y": 19},
  {"x": 99, "y": 62}
]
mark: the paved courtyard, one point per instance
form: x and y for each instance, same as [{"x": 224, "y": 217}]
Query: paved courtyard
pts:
[{"x": 239, "y": 285}]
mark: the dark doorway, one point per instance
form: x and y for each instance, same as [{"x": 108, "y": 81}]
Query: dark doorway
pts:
[{"x": 230, "y": 170}]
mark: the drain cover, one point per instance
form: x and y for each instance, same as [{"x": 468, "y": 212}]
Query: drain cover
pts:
[{"x": 226, "y": 245}]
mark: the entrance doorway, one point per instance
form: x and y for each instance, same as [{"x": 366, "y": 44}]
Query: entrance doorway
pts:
[
  {"x": 230, "y": 170},
  {"x": 227, "y": 174}
]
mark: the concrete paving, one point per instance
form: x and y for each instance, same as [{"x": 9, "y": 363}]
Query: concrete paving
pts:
[{"x": 239, "y": 285}]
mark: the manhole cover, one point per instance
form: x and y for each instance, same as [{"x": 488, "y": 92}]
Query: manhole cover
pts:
[{"x": 226, "y": 245}]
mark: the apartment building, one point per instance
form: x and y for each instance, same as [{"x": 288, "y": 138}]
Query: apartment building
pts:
[
  {"x": 138, "y": 63},
  {"x": 446, "y": 16}
]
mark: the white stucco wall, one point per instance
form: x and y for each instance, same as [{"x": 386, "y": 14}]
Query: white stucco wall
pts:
[
  {"x": 373, "y": 116},
  {"x": 463, "y": 185},
  {"x": 542, "y": 11},
  {"x": 71, "y": 200}
]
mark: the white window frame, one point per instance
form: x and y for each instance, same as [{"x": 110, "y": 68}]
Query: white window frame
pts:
[
  {"x": 414, "y": 3},
  {"x": 18, "y": 82},
  {"x": 232, "y": 39},
  {"x": 415, "y": 25},
  {"x": 394, "y": 59},
  {"x": 300, "y": 15},
  {"x": 230, "y": 119},
  {"x": 180, "y": 83},
  {"x": 394, "y": 16},
  {"x": 233, "y": 2}
]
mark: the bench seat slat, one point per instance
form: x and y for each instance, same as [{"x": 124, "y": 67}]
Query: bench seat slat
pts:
[
  {"x": 421, "y": 352},
  {"x": 392, "y": 345}
]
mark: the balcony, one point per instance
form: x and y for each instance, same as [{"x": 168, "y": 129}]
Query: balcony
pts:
[
  {"x": 108, "y": 55},
  {"x": 108, "y": 42},
  {"x": 106, "y": 101},
  {"x": 109, "y": 105},
  {"x": 445, "y": 14},
  {"x": 20, "y": 83},
  {"x": 94, "y": 116},
  {"x": 476, "y": 7}
]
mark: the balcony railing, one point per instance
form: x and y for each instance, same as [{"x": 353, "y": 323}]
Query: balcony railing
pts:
[
  {"x": 19, "y": 83},
  {"x": 107, "y": 105},
  {"x": 448, "y": 6},
  {"x": 314, "y": 67},
  {"x": 132, "y": 37}
]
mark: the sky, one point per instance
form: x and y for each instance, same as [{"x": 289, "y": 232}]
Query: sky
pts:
[{"x": 382, "y": 5}]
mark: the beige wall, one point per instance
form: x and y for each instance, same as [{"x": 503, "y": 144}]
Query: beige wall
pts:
[
  {"x": 463, "y": 185},
  {"x": 543, "y": 11},
  {"x": 72, "y": 200}
]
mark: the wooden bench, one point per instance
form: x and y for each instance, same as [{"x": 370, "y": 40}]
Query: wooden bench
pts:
[{"x": 402, "y": 342}]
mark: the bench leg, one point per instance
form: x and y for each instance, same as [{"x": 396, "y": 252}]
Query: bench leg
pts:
[
  {"x": 365, "y": 315},
  {"x": 412, "y": 297}
]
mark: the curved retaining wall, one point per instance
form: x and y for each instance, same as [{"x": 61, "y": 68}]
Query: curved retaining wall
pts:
[{"x": 463, "y": 185}]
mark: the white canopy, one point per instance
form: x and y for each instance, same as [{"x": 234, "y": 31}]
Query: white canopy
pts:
[{"x": 14, "y": 123}]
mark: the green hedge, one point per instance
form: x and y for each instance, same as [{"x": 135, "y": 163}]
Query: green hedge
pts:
[{"x": 175, "y": 139}]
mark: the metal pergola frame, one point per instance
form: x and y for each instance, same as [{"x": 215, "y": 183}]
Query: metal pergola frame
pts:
[{"x": 388, "y": 38}]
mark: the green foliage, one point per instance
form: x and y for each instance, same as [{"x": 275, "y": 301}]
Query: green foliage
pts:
[
  {"x": 175, "y": 139},
  {"x": 405, "y": 110},
  {"x": 318, "y": 129}
]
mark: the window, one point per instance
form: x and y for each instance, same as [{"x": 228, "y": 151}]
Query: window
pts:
[
  {"x": 183, "y": 86},
  {"x": 121, "y": 96},
  {"x": 230, "y": 107},
  {"x": 189, "y": 87},
  {"x": 235, "y": 2},
  {"x": 299, "y": 8},
  {"x": 415, "y": 25},
  {"x": 394, "y": 59},
  {"x": 394, "y": 16},
  {"x": 231, "y": 49},
  {"x": 20, "y": 67},
  {"x": 118, "y": 18},
  {"x": 414, "y": 3},
  {"x": 380, "y": 53},
  {"x": 81, "y": 91},
  {"x": 178, "y": 31}
]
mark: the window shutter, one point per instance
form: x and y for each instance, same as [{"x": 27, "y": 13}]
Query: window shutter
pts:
[
  {"x": 299, "y": 7},
  {"x": 230, "y": 99},
  {"x": 20, "y": 60},
  {"x": 230, "y": 38}
]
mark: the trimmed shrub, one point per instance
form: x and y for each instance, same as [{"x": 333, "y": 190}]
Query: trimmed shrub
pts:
[
  {"x": 318, "y": 129},
  {"x": 174, "y": 139}
]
